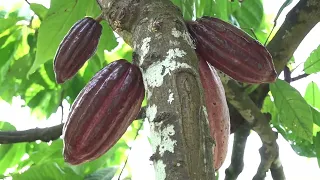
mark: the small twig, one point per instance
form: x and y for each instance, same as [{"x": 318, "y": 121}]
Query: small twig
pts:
[
  {"x": 27, "y": 2},
  {"x": 296, "y": 67},
  {"x": 254, "y": 34},
  {"x": 274, "y": 25},
  {"x": 239, "y": 144},
  {"x": 61, "y": 105},
  {"x": 299, "y": 77},
  {"x": 125, "y": 163}
]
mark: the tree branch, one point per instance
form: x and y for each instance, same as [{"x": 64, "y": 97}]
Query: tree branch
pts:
[
  {"x": 239, "y": 144},
  {"x": 299, "y": 77},
  {"x": 256, "y": 119},
  {"x": 31, "y": 135},
  {"x": 43, "y": 134},
  {"x": 298, "y": 23},
  {"x": 277, "y": 170}
]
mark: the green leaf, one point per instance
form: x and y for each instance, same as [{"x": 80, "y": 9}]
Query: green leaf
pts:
[
  {"x": 250, "y": 14},
  {"x": 186, "y": 7},
  {"x": 93, "y": 9},
  {"x": 317, "y": 145},
  {"x": 44, "y": 153},
  {"x": 75, "y": 86},
  {"x": 107, "y": 41},
  {"x": 316, "y": 116},
  {"x": 312, "y": 64},
  {"x": 6, "y": 55},
  {"x": 93, "y": 67},
  {"x": 302, "y": 147},
  {"x": 49, "y": 171},
  {"x": 19, "y": 68},
  {"x": 6, "y": 126},
  {"x": 48, "y": 66},
  {"x": 11, "y": 157},
  {"x": 299, "y": 145},
  {"x": 295, "y": 113},
  {"x": 114, "y": 157},
  {"x": 102, "y": 174},
  {"x": 269, "y": 107},
  {"x": 36, "y": 100},
  {"x": 7, "y": 23},
  {"x": 284, "y": 5},
  {"x": 54, "y": 103},
  {"x": 61, "y": 16},
  {"x": 39, "y": 9},
  {"x": 220, "y": 8},
  {"x": 312, "y": 95}
]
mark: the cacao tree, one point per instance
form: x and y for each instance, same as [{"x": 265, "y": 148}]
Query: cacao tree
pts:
[{"x": 191, "y": 72}]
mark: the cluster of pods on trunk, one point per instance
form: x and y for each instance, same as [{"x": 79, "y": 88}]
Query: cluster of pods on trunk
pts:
[{"x": 112, "y": 99}]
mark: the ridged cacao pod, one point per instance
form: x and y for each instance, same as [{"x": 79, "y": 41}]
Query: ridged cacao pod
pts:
[
  {"x": 76, "y": 48},
  {"x": 218, "y": 112},
  {"x": 232, "y": 51},
  {"x": 102, "y": 112}
]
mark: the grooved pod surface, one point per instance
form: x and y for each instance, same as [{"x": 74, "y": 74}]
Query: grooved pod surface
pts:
[
  {"x": 102, "y": 112},
  {"x": 218, "y": 112},
  {"x": 232, "y": 51},
  {"x": 76, "y": 48}
]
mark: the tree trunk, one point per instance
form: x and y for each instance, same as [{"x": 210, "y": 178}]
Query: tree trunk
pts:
[{"x": 164, "y": 51}]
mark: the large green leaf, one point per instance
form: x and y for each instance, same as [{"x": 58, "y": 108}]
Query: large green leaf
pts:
[
  {"x": 39, "y": 10},
  {"x": 48, "y": 171},
  {"x": 102, "y": 174},
  {"x": 250, "y": 14},
  {"x": 61, "y": 16},
  {"x": 312, "y": 64},
  {"x": 300, "y": 146},
  {"x": 220, "y": 8},
  {"x": 316, "y": 116},
  {"x": 295, "y": 113},
  {"x": 312, "y": 95}
]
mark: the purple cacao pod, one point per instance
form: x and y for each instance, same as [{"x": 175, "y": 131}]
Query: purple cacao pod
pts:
[
  {"x": 76, "y": 48},
  {"x": 218, "y": 111},
  {"x": 102, "y": 112},
  {"x": 232, "y": 51}
]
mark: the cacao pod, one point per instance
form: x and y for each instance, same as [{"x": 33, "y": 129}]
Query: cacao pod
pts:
[
  {"x": 218, "y": 112},
  {"x": 102, "y": 112},
  {"x": 76, "y": 48},
  {"x": 232, "y": 51}
]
